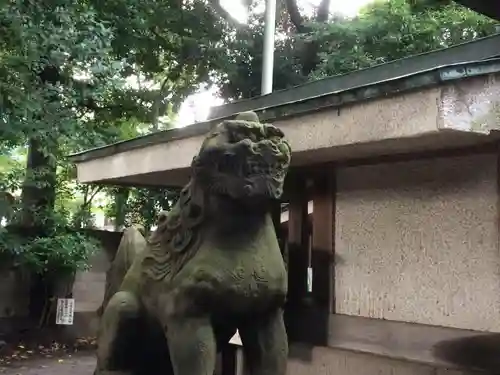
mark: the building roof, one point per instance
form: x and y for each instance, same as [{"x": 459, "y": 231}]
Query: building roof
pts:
[
  {"x": 400, "y": 75},
  {"x": 479, "y": 49},
  {"x": 490, "y": 8}
]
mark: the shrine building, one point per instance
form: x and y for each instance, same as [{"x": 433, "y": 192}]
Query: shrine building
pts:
[{"x": 393, "y": 204}]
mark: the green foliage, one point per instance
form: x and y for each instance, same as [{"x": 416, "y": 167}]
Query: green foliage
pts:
[
  {"x": 145, "y": 204},
  {"x": 240, "y": 75},
  {"x": 81, "y": 74},
  {"x": 390, "y": 30},
  {"x": 140, "y": 205},
  {"x": 46, "y": 45},
  {"x": 12, "y": 171},
  {"x": 382, "y": 32},
  {"x": 76, "y": 75},
  {"x": 62, "y": 252}
]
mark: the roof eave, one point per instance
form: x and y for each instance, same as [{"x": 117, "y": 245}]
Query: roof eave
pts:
[
  {"x": 386, "y": 88},
  {"x": 489, "y": 8}
]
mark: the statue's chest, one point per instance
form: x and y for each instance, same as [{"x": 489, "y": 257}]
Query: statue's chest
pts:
[
  {"x": 229, "y": 280},
  {"x": 239, "y": 263}
]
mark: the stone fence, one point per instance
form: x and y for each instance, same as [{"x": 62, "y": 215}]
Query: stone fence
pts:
[{"x": 88, "y": 290}]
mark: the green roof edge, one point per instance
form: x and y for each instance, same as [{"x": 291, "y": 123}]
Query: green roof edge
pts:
[
  {"x": 479, "y": 49},
  {"x": 355, "y": 93},
  {"x": 490, "y": 8}
]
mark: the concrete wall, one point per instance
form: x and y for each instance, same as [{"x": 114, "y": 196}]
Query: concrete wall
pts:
[
  {"x": 88, "y": 289},
  {"x": 417, "y": 241},
  {"x": 88, "y": 292},
  {"x": 325, "y": 361}
]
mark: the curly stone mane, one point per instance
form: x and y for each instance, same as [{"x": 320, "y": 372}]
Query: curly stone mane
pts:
[
  {"x": 239, "y": 159},
  {"x": 176, "y": 238}
]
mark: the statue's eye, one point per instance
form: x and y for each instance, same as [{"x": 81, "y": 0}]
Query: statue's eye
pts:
[{"x": 194, "y": 211}]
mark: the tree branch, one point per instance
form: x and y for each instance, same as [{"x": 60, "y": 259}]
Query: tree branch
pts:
[
  {"x": 323, "y": 11},
  {"x": 96, "y": 191},
  {"x": 218, "y": 9},
  {"x": 295, "y": 16},
  {"x": 157, "y": 102},
  {"x": 310, "y": 54},
  {"x": 88, "y": 200}
]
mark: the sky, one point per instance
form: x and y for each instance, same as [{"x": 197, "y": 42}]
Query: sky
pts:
[{"x": 197, "y": 107}]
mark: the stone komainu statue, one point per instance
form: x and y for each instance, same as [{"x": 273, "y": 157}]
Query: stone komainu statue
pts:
[{"x": 212, "y": 266}]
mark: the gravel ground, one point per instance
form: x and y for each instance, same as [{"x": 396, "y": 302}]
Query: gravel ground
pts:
[{"x": 78, "y": 364}]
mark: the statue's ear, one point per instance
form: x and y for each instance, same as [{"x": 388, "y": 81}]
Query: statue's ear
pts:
[
  {"x": 247, "y": 116},
  {"x": 162, "y": 217}
]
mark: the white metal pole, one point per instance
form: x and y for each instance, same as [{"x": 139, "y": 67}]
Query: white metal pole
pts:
[{"x": 268, "y": 53}]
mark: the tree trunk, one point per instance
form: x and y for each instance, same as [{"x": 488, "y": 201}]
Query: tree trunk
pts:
[
  {"x": 38, "y": 195},
  {"x": 39, "y": 188},
  {"x": 121, "y": 198},
  {"x": 38, "y": 200},
  {"x": 309, "y": 55}
]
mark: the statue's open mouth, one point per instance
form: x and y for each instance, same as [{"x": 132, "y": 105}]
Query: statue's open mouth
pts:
[
  {"x": 243, "y": 160},
  {"x": 242, "y": 177}
]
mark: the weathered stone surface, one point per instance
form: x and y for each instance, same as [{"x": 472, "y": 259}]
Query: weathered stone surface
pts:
[{"x": 212, "y": 266}]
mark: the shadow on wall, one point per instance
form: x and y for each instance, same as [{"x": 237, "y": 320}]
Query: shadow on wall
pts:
[
  {"x": 481, "y": 352},
  {"x": 301, "y": 352}
]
